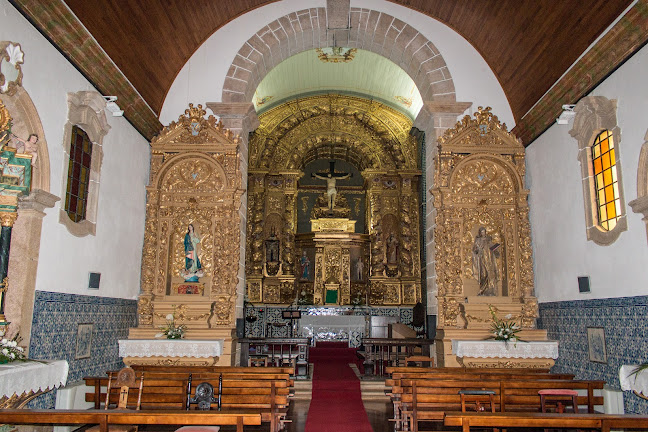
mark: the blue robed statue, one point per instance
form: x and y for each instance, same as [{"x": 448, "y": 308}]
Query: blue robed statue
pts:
[{"x": 192, "y": 270}]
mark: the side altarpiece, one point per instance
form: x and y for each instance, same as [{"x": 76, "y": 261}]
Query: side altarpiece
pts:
[
  {"x": 482, "y": 235},
  {"x": 194, "y": 193}
]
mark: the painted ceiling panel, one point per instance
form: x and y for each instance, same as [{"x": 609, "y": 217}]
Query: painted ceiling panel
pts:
[{"x": 368, "y": 74}]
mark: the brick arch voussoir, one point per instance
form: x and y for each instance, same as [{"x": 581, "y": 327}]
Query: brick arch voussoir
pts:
[{"x": 370, "y": 30}]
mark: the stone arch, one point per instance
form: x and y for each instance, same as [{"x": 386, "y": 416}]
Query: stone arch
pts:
[
  {"x": 640, "y": 204},
  {"x": 370, "y": 30}
]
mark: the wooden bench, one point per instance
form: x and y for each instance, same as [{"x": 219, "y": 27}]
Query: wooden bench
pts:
[
  {"x": 604, "y": 422},
  {"x": 268, "y": 397},
  {"x": 277, "y": 352},
  {"x": 417, "y": 400},
  {"x": 104, "y": 418},
  {"x": 381, "y": 353}
]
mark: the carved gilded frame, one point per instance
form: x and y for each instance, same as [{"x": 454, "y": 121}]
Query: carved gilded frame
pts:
[{"x": 593, "y": 115}]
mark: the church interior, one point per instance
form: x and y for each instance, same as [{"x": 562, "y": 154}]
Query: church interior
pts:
[{"x": 335, "y": 190}]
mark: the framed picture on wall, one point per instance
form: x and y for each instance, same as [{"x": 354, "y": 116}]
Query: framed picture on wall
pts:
[
  {"x": 596, "y": 344},
  {"x": 84, "y": 340}
]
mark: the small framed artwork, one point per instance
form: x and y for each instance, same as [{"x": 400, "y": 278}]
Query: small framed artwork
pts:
[
  {"x": 84, "y": 341},
  {"x": 596, "y": 344}
]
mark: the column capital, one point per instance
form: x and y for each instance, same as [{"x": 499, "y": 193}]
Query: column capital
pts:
[
  {"x": 7, "y": 219},
  {"x": 37, "y": 200},
  {"x": 446, "y": 107}
]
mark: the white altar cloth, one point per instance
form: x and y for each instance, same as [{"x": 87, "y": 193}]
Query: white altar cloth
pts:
[
  {"x": 498, "y": 349},
  {"x": 24, "y": 377},
  {"x": 332, "y": 327},
  {"x": 170, "y": 348},
  {"x": 637, "y": 383}
]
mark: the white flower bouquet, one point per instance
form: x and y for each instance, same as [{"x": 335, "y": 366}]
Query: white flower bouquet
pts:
[
  {"x": 504, "y": 330},
  {"x": 9, "y": 349},
  {"x": 171, "y": 330}
]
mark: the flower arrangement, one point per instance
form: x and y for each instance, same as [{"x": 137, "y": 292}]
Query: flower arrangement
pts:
[
  {"x": 9, "y": 349},
  {"x": 171, "y": 330},
  {"x": 504, "y": 330}
]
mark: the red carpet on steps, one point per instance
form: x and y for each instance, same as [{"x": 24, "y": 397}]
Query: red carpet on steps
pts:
[{"x": 337, "y": 402}]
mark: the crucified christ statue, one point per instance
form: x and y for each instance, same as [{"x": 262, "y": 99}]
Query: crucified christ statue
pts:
[{"x": 331, "y": 177}]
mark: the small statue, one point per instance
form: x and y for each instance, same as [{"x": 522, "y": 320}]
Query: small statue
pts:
[
  {"x": 304, "y": 261},
  {"x": 485, "y": 254},
  {"x": 359, "y": 269},
  {"x": 193, "y": 268},
  {"x": 29, "y": 146},
  {"x": 392, "y": 249}
]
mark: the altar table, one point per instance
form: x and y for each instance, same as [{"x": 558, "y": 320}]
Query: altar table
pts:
[
  {"x": 20, "y": 382},
  {"x": 347, "y": 328},
  {"x": 485, "y": 353},
  {"x": 170, "y": 351}
]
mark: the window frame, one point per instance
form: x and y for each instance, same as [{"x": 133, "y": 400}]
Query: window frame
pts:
[
  {"x": 85, "y": 111},
  {"x": 594, "y": 115}
]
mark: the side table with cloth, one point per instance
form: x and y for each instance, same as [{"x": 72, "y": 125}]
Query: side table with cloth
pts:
[
  {"x": 492, "y": 353},
  {"x": 181, "y": 352},
  {"x": 20, "y": 382}
]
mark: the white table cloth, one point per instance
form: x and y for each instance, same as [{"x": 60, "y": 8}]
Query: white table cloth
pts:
[
  {"x": 637, "y": 383},
  {"x": 170, "y": 348},
  {"x": 498, "y": 349},
  {"x": 24, "y": 377},
  {"x": 331, "y": 327}
]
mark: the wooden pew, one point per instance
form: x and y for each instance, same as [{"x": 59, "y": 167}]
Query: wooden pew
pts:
[
  {"x": 268, "y": 397},
  {"x": 418, "y": 400},
  {"x": 104, "y": 418},
  {"x": 604, "y": 422}
]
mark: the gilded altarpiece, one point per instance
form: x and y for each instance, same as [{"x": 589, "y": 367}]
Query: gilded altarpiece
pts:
[
  {"x": 375, "y": 140},
  {"x": 483, "y": 239},
  {"x": 195, "y": 181}
]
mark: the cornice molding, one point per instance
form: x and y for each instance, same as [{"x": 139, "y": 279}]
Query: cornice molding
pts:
[
  {"x": 62, "y": 28},
  {"x": 627, "y": 36}
]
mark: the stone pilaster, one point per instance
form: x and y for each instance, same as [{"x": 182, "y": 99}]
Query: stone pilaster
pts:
[
  {"x": 434, "y": 119},
  {"x": 640, "y": 205},
  {"x": 25, "y": 248}
]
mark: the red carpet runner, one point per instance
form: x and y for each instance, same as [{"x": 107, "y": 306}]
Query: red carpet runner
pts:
[{"x": 337, "y": 403}]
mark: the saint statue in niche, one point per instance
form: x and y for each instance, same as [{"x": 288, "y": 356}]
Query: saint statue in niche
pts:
[
  {"x": 359, "y": 267},
  {"x": 305, "y": 263},
  {"x": 392, "y": 249},
  {"x": 485, "y": 254},
  {"x": 193, "y": 268}
]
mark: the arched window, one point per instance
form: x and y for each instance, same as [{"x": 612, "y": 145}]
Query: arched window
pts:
[
  {"x": 78, "y": 181},
  {"x": 82, "y": 142},
  {"x": 598, "y": 135},
  {"x": 606, "y": 182}
]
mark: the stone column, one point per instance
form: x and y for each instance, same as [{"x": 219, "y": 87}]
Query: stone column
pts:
[
  {"x": 25, "y": 248},
  {"x": 640, "y": 205},
  {"x": 434, "y": 119}
]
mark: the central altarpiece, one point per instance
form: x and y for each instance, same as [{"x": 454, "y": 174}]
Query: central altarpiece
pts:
[{"x": 333, "y": 205}]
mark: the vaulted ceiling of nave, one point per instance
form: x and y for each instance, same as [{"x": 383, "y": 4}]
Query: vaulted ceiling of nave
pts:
[{"x": 529, "y": 44}]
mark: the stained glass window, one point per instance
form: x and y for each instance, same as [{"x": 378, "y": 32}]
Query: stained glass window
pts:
[
  {"x": 78, "y": 180},
  {"x": 606, "y": 184}
]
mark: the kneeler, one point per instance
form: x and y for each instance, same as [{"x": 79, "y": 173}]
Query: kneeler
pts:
[{"x": 204, "y": 397}]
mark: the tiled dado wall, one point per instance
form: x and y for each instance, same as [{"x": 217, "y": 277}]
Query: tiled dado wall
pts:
[
  {"x": 625, "y": 322},
  {"x": 54, "y": 333}
]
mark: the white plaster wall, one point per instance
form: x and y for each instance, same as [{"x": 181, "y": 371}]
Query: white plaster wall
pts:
[
  {"x": 116, "y": 250},
  {"x": 560, "y": 246},
  {"x": 201, "y": 79}
]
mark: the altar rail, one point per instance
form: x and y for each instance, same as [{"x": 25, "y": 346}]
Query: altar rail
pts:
[
  {"x": 276, "y": 352},
  {"x": 380, "y": 353}
]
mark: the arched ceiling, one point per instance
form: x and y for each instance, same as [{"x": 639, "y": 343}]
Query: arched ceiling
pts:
[
  {"x": 368, "y": 74},
  {"x": 529, "y": 44}
]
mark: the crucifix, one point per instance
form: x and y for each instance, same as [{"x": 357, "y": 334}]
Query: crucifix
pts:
[{"x": 331, "y": 176}]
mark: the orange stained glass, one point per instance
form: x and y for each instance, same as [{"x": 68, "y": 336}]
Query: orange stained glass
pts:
[{"x": 605, "y": 180}]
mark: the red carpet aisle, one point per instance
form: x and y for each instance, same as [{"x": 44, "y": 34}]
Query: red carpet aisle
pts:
[{"x": 337, "y": 403}]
